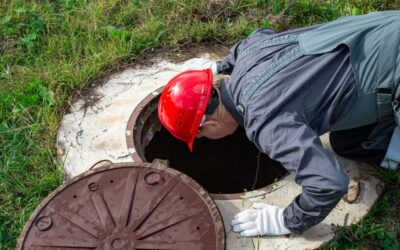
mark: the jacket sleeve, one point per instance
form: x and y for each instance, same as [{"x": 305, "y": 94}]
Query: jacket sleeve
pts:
[
  {"x": 228, "y": 63},
  {"x": 293, "y": 143}
]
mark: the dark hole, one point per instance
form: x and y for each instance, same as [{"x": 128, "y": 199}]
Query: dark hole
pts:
[
  {"x": 228, "y": 165},
  {"x": 74, "y": 196},
  {"x": 111, "y": 181},
  {"x": 198, "y": 228},
  {"x": 181, "y": 198}
]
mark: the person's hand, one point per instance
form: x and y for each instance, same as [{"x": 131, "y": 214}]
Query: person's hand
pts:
[
  {"x": 260, "y": 219},
  {"x": 200, "y": 63}
]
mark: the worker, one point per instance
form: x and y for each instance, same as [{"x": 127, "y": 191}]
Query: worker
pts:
[{"x": 286, "y": 89}]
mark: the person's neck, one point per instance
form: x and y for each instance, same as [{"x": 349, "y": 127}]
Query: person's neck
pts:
[{"x": 229, "y": 120}]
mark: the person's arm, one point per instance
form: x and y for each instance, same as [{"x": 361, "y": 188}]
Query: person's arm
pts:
[
  {"x": 293, "y": 143},
  {"x": 228, "y": 63}
]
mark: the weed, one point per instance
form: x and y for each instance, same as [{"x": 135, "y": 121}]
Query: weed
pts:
[
  {"x": 243, "y": 197},
  {"x": 255, "y": 242},
  {"x": 275, "y": 183},
  {"x": 378, "y": 230}
]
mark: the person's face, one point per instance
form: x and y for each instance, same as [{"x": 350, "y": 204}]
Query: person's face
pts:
[{"x": 215, "y": 128}]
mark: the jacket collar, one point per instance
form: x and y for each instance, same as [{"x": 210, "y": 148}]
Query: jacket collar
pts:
[{"x": 227, "y": 100}]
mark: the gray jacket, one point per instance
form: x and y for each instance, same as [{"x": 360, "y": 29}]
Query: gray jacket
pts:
[
  {"x": 292, "y": 87},
  {"x": 286, "y": 115}
]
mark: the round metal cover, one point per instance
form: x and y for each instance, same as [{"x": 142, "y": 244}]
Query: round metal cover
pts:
[{"x": 126, "y": 206}]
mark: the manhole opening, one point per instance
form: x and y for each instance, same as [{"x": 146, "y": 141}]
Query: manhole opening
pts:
[{"x": 229, "y": 165}]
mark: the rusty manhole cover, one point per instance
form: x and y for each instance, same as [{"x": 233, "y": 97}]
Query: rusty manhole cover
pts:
[{"x": 126, "y": 206}]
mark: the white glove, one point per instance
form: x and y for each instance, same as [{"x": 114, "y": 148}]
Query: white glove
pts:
[
  {"x": 260, "y": 219},
  {"x": 200, "y": 63}
]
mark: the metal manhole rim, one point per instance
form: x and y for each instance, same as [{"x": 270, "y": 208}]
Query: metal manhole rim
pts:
[
  {"x": 133, "y": 118},
  {"x": 130, "y": 142},
  {"x": 158, "y": 165}
]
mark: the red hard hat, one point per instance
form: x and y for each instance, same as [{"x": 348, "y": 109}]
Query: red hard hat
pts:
[{"x": 183, "y": 103}]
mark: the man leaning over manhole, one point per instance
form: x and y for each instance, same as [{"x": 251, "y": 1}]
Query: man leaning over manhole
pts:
[{"x": 286, "y": 89}]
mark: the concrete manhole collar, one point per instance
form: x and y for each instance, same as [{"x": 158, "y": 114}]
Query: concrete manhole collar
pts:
[{"x": 127, "y": 206}]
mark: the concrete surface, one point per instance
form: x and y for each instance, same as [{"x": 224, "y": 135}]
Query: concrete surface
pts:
[
  {"x": 95, "y": 129},
  {"x": 344, "y": 214}
]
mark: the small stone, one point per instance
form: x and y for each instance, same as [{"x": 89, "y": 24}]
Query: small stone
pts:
[
  {"x": 60, "y": 151},
  {"x": 353, "y": 191}
]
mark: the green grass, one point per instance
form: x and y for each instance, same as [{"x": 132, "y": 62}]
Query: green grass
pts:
[{"x": 50, "y": 49}]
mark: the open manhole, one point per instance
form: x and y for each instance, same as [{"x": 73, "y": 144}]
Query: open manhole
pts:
[
  {"x": 126, "y": 206},
  {"x": 226, "y": 166}
]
